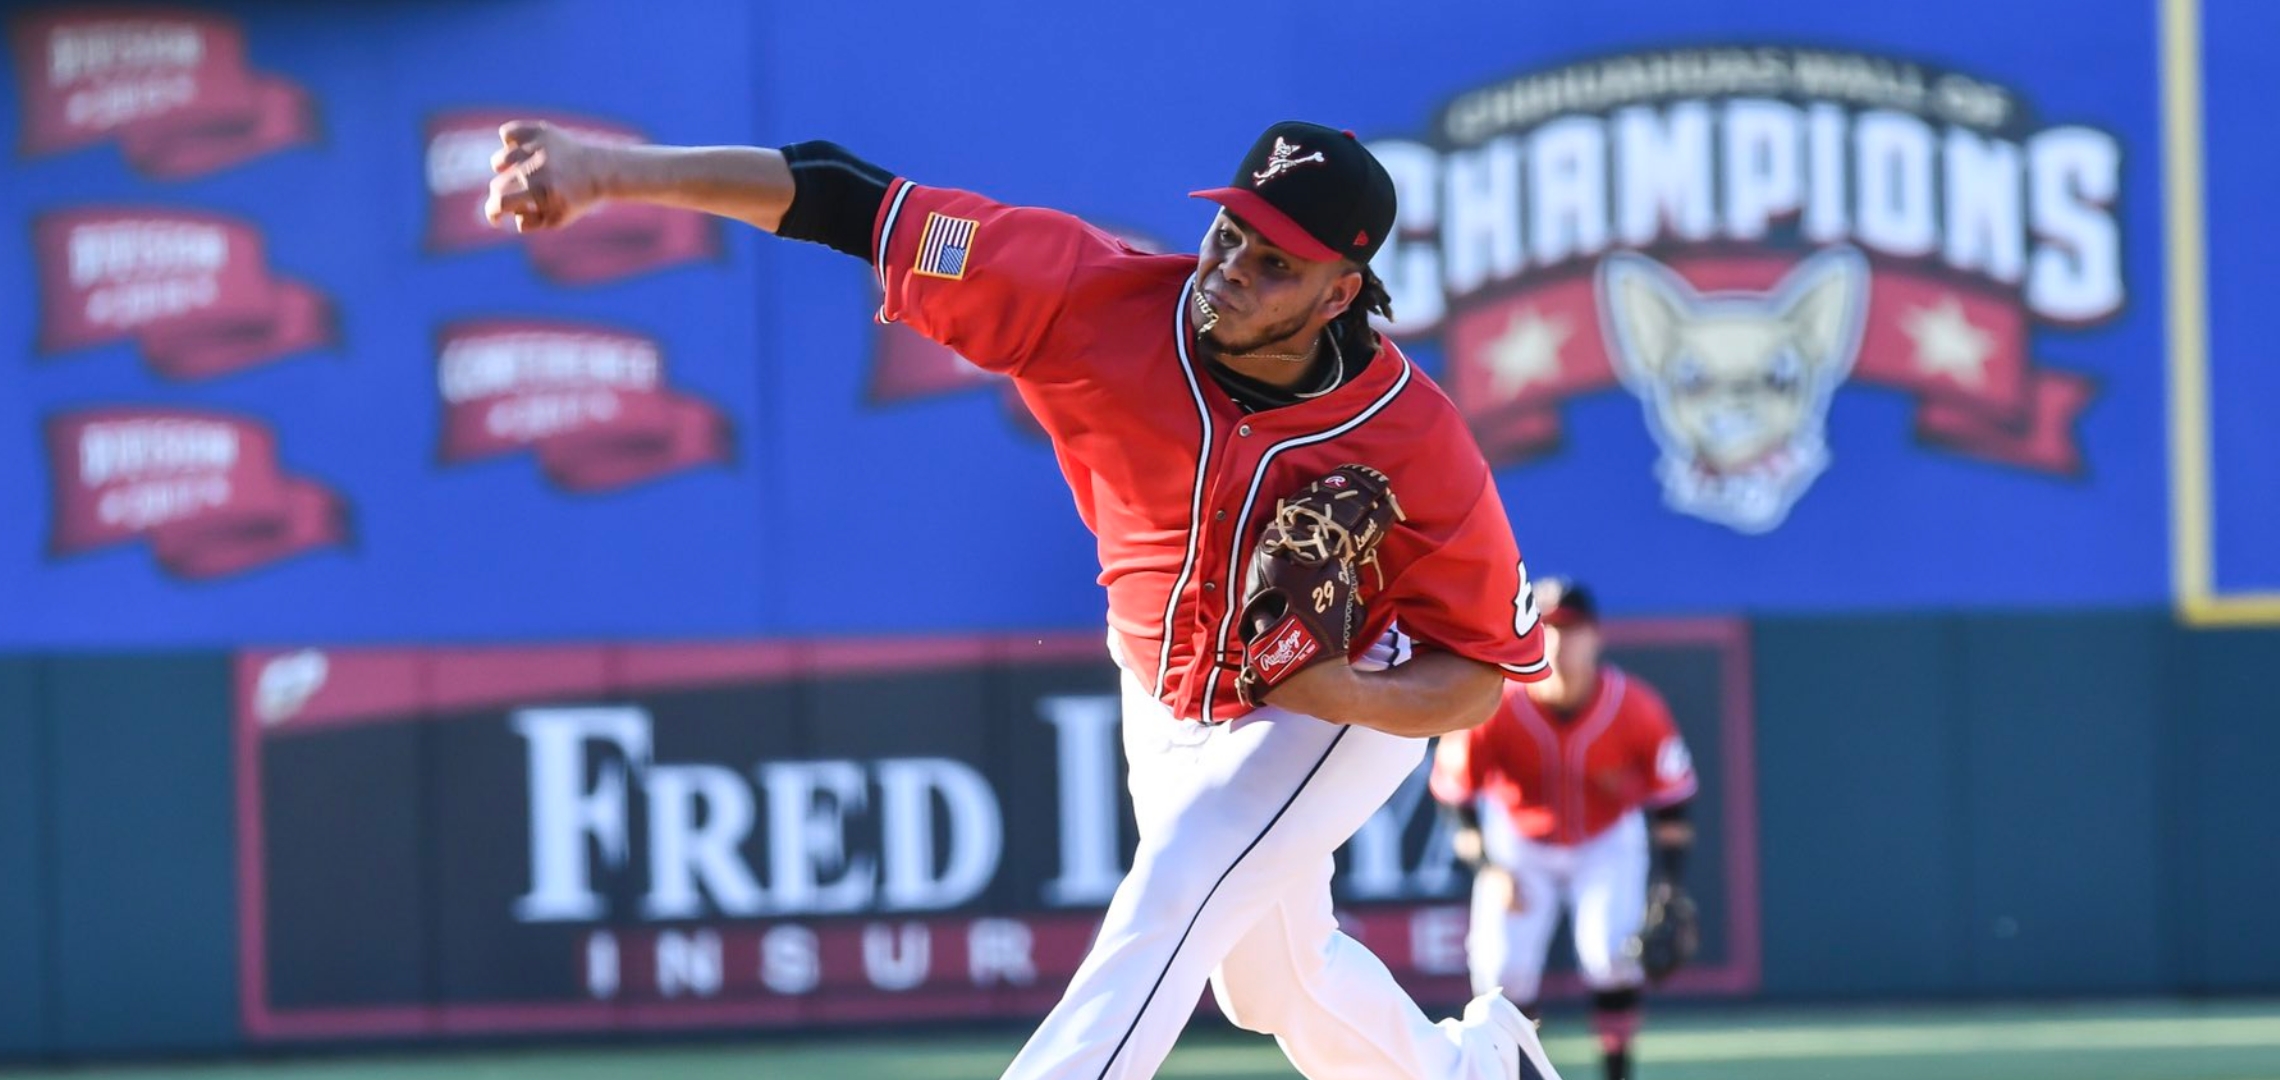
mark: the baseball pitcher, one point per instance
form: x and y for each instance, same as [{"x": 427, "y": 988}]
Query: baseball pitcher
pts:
[{"x": 1309, "y": 571}]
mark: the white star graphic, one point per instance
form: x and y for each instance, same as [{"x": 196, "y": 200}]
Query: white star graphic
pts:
[
  {"x": 1528, "y": 351},
  {"x": 1947, "y": 342}
]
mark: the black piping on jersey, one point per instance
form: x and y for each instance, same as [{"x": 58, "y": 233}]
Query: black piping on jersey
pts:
[
  {"x": 1214, "y": 891},
  {"x": 886, "y": 240},
  {"x": 1235, "y": 566},
  {"x": 1195, "y": 501}
]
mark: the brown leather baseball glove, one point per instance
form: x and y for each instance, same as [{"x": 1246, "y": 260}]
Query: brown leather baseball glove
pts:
[{"x": 1301, "y": 601}]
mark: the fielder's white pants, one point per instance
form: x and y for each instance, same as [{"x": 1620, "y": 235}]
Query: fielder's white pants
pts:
[
  {"x": 1231, "y": 885},
  {"x": 1602, "y": 881}
]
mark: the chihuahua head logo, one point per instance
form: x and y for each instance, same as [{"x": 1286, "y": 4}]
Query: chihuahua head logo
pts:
[{"x": 1736, "y": 384}]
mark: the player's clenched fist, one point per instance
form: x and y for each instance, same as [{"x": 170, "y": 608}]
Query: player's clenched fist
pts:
[{"x": 546, "y": 177}]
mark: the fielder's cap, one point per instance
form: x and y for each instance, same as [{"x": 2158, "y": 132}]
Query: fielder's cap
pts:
[
  {"x": 1564, "y": 602},
  {"x": 1315, "y": 192}
]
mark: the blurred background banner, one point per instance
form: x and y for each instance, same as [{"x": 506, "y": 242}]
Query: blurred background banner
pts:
[
  {"x": 767, "y": 834},
  {"x": 453, "y": 841}
]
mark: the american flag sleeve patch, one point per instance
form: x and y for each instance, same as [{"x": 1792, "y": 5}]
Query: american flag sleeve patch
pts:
[{"x": 945, "y": 247}]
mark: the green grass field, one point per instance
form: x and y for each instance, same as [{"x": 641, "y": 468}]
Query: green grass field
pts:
[{"x": 2227, "y": 1041}]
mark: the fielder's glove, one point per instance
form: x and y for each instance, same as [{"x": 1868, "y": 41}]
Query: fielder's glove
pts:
[
  {"x": 1301, "y": 599},
  {"x": 1670, "y": 934}
]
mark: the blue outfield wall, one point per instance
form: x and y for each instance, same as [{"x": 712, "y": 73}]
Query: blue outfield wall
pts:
[
  {"x": 2243, "y": 446},
  {"x": 25, "y": 887},
  {"x": 266, "y": 382},
  {"x": 139, "y": 903},
  {"x": 1991, "y": 438},
  {"x": 1974, "y": 806},
  {"x": 2224, "y": 787},
  {"x": 1955, "y": 807}
]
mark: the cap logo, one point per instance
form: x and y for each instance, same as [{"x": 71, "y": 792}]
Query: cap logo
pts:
[{"x": 1283, "y": 159}]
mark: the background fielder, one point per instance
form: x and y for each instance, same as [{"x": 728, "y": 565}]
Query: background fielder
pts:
[{"x": 1554, "y": 796}]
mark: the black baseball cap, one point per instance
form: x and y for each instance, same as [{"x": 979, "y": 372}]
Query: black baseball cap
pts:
[
  {"x": 1314, "y": 191},
  {"x": 1565, "y": 602}
]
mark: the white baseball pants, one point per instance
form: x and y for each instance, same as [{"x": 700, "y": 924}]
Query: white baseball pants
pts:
[{"x": 1231, "y": 885}]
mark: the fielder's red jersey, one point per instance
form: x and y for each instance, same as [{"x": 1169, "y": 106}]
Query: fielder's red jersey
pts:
[
  {"x": 1170, "y": 475},
  {"x": 1564, "y": 782}
]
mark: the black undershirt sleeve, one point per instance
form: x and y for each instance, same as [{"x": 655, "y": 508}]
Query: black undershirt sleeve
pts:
[
  {"x": 835, "y": 197},
  {"x": 1669, "y": 859}
]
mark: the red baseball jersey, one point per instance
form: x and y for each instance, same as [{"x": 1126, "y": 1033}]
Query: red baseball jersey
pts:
[
  {"x": 1563, "y": 782},
  {"x": 1175, "y": 481}
]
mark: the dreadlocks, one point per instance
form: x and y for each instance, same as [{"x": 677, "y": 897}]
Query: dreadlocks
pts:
[{"x": 1353, "y": 324}]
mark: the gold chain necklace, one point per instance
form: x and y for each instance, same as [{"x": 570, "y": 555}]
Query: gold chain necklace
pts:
[
  {"x": 1337, "y": 377},
  {"x": 1211, "y": 318},
  {"x": 1287, "y": 357}
]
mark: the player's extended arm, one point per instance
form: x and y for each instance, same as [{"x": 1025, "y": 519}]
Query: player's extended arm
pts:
[
  {"x": 1433, "y": 694},
  {"x": 546, "y": 177},
  {"x": 752, "y": 184}
]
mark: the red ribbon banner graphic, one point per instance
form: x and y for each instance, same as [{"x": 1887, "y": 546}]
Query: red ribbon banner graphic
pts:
[
  {"x": 172, "y": 86},
  {"x": 205, "y": 488},
  {"x": 193, "y": 290},
  {"x": 590, "y": 401},
  {"x": 1960, "y": 346}
]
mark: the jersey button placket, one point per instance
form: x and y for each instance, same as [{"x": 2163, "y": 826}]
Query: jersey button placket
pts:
[{"x": 1238, "y": 458}]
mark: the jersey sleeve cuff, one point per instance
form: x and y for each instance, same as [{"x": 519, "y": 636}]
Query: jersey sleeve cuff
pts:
[
  {"x": 890, "y": 214},
  {"x": 1676, "y": 793}
]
